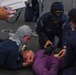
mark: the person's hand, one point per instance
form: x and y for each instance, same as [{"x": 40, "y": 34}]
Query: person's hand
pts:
[
  {"x": 5, "y": 14},
  {"x": 61, "y": 54},
  {"x": 56, "y": 55},
  {"x": 48, "y": 42}
]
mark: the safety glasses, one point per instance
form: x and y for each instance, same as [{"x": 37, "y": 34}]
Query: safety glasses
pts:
[{"x": 58, "y": 13}]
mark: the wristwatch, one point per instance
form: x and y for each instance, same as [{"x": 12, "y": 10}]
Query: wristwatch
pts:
[{"x": 64, "y": 48}]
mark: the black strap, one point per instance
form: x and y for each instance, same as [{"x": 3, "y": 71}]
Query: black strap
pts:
[{"x": 17, "y": 16}]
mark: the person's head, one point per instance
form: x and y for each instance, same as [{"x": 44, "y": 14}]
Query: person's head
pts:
[
  {"x": 57, "y": 11},
  {"x": 22, "y": 35},
  {"x": 27, "y": 54},
  {"x": 72, "y": 17}
]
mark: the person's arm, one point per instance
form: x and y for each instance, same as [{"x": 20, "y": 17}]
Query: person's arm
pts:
[
  {"x": 40, "y": 29},
  {"x": 70, "y": 53},
  {"x": 66, "y": 33},
  {"x": 13, "y": 63},
  {"x": 65, "y": 39},
  {"x": 12, "y": 60}
]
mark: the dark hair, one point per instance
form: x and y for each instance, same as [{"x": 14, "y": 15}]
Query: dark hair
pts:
[
  {"x": 72, "y": 15},
  {"x": 49, "y": 49}
]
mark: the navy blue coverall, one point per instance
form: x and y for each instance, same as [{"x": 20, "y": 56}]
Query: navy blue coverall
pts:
[
  {"x": 70, "y": 58},
  {"x": 9, "y": 55},
  {"x": 47, "y": 30}
]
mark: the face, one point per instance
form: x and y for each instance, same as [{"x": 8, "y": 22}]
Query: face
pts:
[
  {"x": 27, "y": 54},
  {"x": 57, "y": 13},
  {"x": 26, "y": 39},
  {"x": 72, "y": 23}
]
